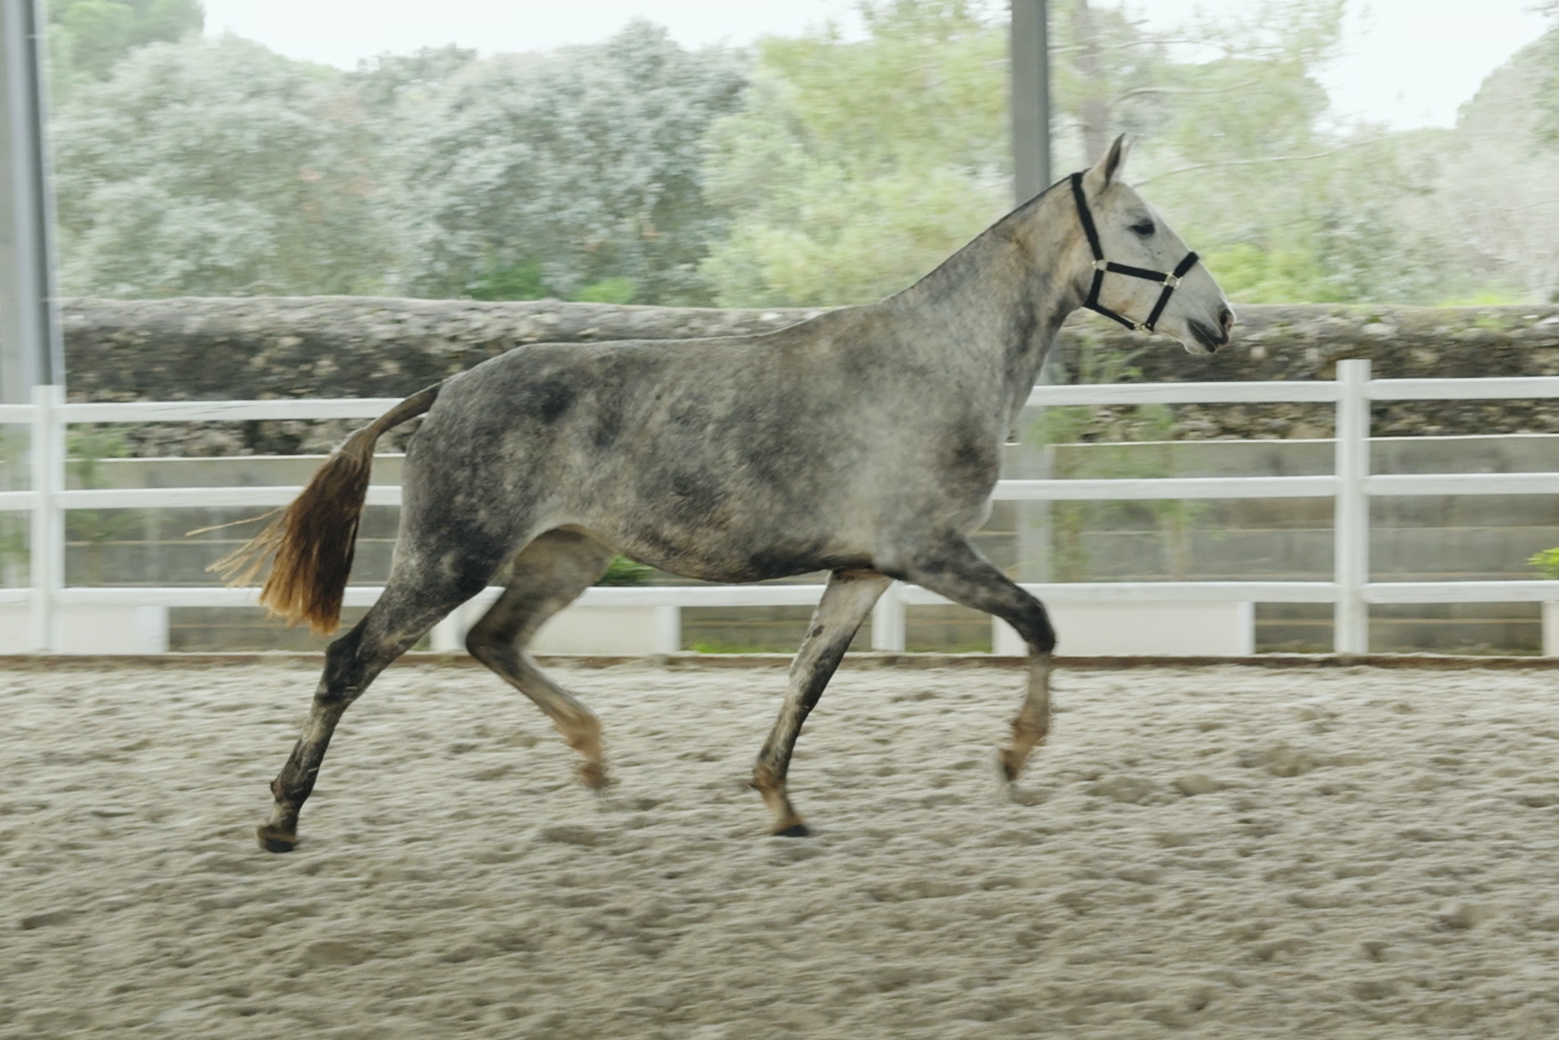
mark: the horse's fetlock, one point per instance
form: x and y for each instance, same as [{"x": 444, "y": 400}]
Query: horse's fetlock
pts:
[
  {"x": 594, "y": 776},
  {"x": 1029, "y": 732},
  {"x": 766, "y": 778}
]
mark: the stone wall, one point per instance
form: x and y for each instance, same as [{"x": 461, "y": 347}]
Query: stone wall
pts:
[{"x": 212, "y": 349}]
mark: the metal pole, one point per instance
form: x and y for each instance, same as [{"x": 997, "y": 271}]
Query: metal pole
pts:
[
  {"x": 1030, "y": 45},
  {"x": 32, "y": 354},
  {"x": 31, "y": 348}
]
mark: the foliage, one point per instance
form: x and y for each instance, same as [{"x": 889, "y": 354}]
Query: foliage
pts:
[
  {"x": 854, "y": 168},
  {"x": 394, "y": 88},
  {"x": 818, "y": 170},
  {"x": 1547, "y": 562},
  {"x": 1544, "y": 54},
  {"x": 549, "y": 174},
  {"x": 520, "y": 280},
  {"x": 85, "y": 450},
  {"x": 88, "y": 37},
  {"x": 623, "y": 571},
  {"x": 1251, "y": 274},
  {"x": 610, "y": 290},
  {"x": 1495, "y": 174},
  {"x": 1286, "y": 207},
  {"x": 217, "y": 168},
  {"x": 13, "y": 525}
]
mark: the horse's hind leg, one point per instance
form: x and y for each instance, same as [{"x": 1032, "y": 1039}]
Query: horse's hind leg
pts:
[
  {"x": 845, "y": 604},
  {"x": 955, "y": 569},
  {"x": 411, "y": 604},
  {"x": 546, "y": 576}
]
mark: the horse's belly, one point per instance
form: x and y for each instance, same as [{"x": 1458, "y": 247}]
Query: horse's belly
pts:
[{"x": 722, "y": 559}]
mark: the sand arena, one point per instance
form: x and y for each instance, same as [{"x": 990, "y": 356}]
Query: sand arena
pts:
[{"x": 1226, "y": 852}]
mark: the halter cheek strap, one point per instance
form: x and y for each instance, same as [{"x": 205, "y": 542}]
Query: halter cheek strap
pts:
[{"x": 1101, "y": 265}]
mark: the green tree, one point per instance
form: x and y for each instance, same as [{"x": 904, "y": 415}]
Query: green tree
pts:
[
  {"x": 570, "y": 174},
  {"x": 1495, "y": 173},
  {"x": 87, "y": 38},
  {"x": 1236, "y": 145},
  {"x": 854, "y": 167},
  {"x": 215, "y": 167},
  {"x": 395, "y": 87},
  {"x": 1544, "y": 57}
]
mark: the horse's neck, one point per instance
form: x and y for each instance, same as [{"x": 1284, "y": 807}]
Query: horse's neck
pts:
[{"x": 999, "y": 301}]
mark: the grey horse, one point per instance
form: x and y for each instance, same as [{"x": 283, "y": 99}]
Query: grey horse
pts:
[{"x": 864, "y": 442}]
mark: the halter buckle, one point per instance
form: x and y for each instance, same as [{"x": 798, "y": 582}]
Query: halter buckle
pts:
[
  {"x": 1101, "y": 264},
  {"x": 1172, "y": 281}
]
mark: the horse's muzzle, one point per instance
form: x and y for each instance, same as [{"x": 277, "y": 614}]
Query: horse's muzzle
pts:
[{"x": 1209, "y": 338}]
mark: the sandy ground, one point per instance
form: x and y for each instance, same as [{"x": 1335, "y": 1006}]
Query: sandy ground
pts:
[{"x": 1225, "y": 853}]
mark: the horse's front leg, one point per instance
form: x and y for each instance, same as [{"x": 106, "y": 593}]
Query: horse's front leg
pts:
[
  {"x": 955, "y": 569},
  {"x": 846, "y": 602}
]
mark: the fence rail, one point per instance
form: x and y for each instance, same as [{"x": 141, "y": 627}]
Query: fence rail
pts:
[{"x": 1351, "y": 486}]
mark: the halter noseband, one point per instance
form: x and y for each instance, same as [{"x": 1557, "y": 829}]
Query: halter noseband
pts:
[{"x": 1101, "y": 265}]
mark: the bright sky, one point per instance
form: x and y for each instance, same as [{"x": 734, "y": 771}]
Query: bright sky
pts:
[{"x": 1407, "y": 63}]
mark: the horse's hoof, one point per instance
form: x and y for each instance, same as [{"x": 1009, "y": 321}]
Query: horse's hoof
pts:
[
  {"x": 795, "y": 830},
  {"x": 272, "y": 840},
  {"x": 596, "y": 778},
  {"x": 1010, "y": 770}
]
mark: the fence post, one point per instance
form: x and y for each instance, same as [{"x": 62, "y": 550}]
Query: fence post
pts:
[
  {"x": 668, "y": 629},
  {"x": 888, "y": 621},
  {"x": 1351, "y": 538},
  {"x": 47, "y": 547},
  {"x": 449, "y": 635}
]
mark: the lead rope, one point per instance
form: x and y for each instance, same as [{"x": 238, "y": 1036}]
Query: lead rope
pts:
[{"x": 1101, "y": 265}]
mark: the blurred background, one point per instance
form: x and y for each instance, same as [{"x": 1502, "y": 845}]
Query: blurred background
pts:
[{"x": 814, "y": 153}]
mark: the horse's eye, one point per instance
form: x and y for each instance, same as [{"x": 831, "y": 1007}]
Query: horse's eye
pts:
[{"x": 1143, "y": 228}]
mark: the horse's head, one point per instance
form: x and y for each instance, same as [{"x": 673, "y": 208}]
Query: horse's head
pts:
[{"x": 1136, "y": 269}]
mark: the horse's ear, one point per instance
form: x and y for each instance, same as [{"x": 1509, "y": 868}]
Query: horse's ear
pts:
[{"x": 1109, "y": 167}]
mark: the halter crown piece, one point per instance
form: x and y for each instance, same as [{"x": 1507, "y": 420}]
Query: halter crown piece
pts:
[{"x": 1101, "y": 265}]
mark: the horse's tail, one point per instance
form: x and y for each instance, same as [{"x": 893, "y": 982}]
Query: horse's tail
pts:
[{"x": 310, "y": 545}]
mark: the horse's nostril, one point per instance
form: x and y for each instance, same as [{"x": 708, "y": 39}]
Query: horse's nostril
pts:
[{"x": 1226, "y": 320}]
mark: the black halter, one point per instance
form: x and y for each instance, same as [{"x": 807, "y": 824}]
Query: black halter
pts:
[{"x": 1101, "y": 265}]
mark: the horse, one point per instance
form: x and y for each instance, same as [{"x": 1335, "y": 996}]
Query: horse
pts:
[{"x": 864, "y": 442}]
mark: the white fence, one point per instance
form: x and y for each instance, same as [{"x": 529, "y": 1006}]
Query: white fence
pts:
[{"x": 1351, "y": 486}]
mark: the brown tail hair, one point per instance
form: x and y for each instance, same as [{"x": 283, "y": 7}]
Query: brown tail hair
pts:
[{"x": 310, "y": 546}]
